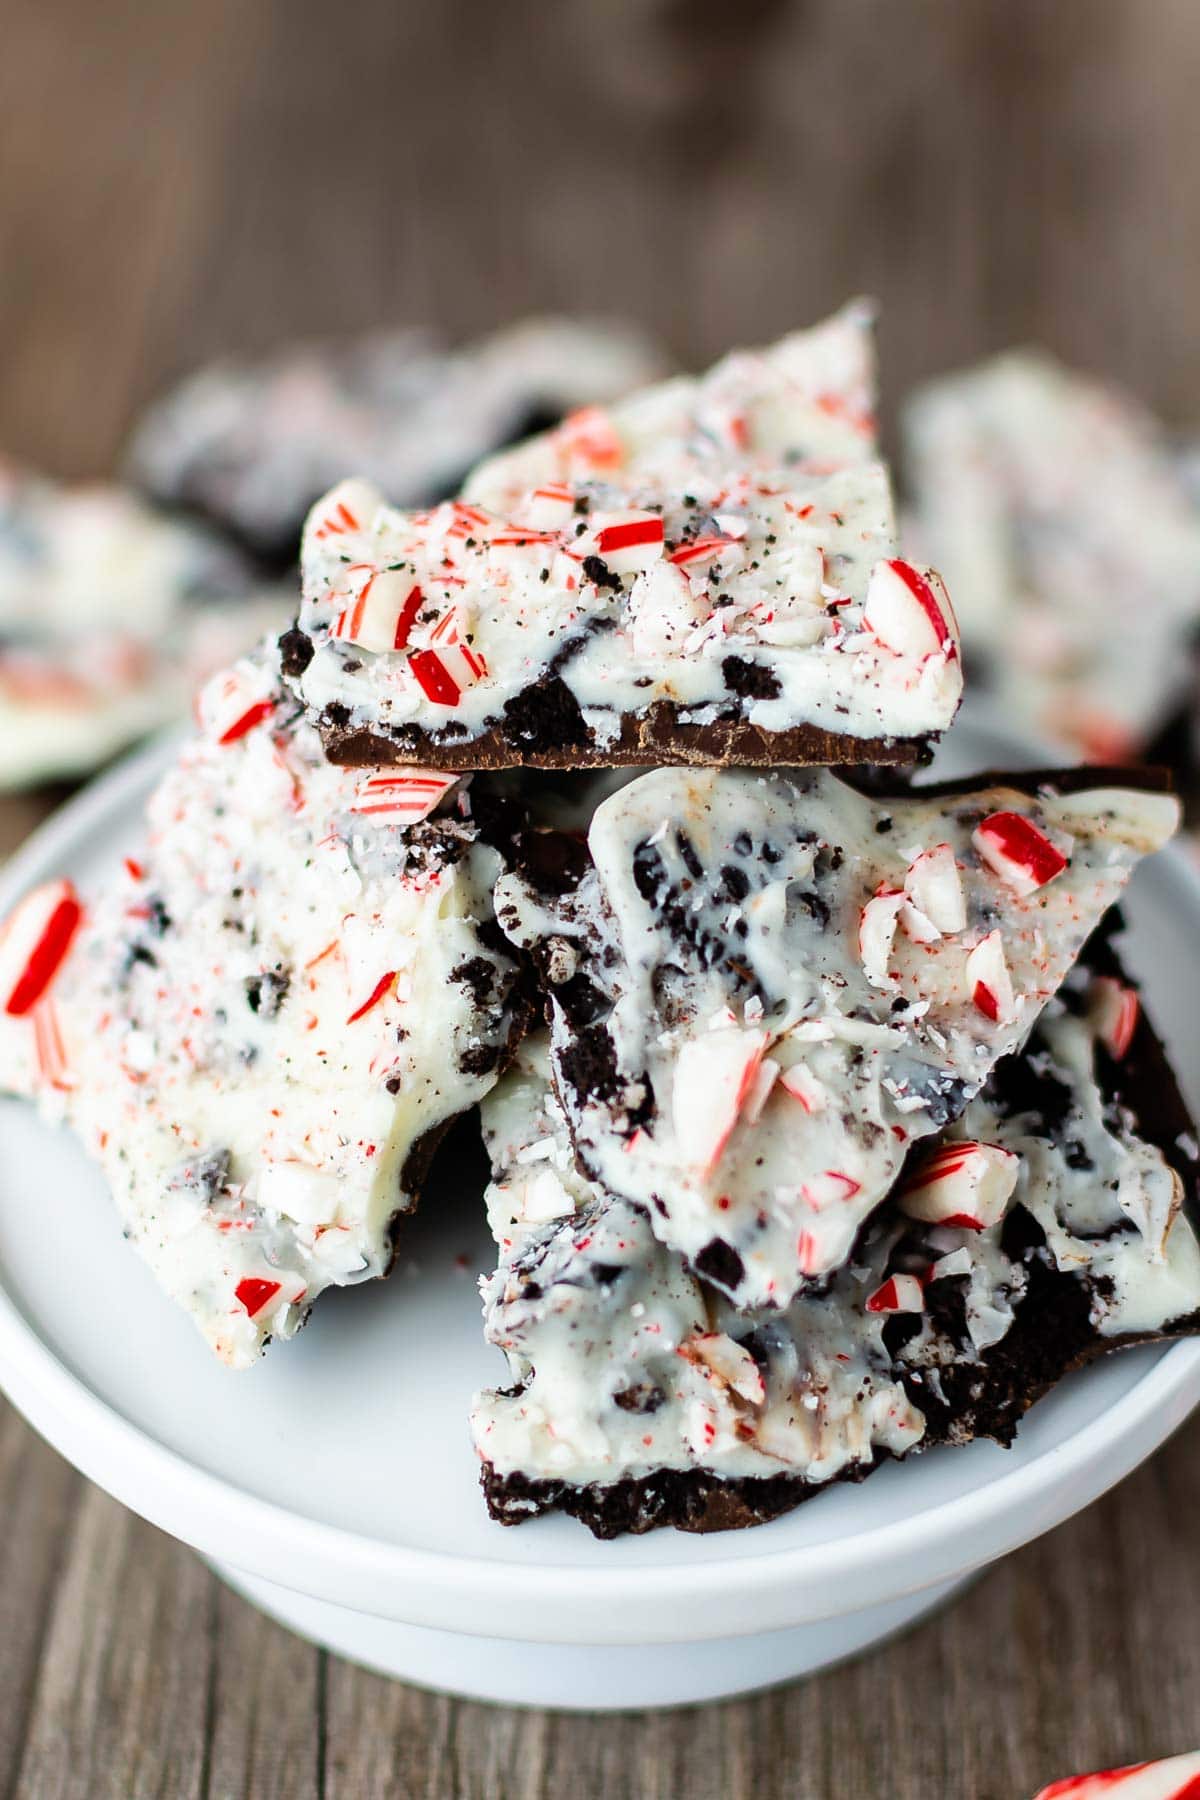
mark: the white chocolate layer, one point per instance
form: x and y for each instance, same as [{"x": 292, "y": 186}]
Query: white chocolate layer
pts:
[
  {"x": 258, "y": 1022},
  {"x": 709, "y": 544},
  {"x": 625, "y": 1364},
  {"x": 772, "y": 1017}
]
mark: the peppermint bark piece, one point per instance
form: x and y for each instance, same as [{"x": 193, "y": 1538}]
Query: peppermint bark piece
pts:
[
  {"x": 706, "y": 573},
  {"x": 639, "y": 1397},
  {"x": 264, "y": 1024},
  {"x": 111, "y": 616},
  {"x": 1063, "y": 520},
  {"x": 765, "y": 988},
  {"x": 253, "y": 443}
]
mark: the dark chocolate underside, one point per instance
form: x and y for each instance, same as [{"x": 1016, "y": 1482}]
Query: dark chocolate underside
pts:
[{"x": 1052, "y": 1334}]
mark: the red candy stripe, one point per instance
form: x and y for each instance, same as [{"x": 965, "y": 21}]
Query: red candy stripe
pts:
[
  {"x": 46, "y": 956},
  {"x": 254, "y": 1293}
]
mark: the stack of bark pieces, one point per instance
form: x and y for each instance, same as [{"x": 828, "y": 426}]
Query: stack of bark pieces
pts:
[{"x": 824, "y": 1123}]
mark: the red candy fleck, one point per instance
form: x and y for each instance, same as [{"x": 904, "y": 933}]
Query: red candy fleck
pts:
[
  {"x": 254, "y": 715},
  {"x": 374, "y": 997},
  {"x": 986, "y": 1001},
  {"x": 255, "y": 1293}
]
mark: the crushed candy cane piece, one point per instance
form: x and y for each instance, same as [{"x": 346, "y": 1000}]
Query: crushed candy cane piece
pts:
[
  {"x": 714, "y": 1078},
  {"x": 909, "y": 610},
  {"x": 1116, "y": 1009},
  {"x": 898, "y": 1294},
  {"x": 966, "y": 1183},
  {"x": 877, "y": 933},
  {"x": 1019, "y": 853},
  {"x": 34, "y": 943},
  {"x": 989, "y": 983}
]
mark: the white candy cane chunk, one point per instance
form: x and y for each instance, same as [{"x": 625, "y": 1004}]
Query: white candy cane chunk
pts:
[
  {"x": 346, "y": 509},
  {"x": 549, "y": 508},
  {"x": 714, "y": 1078},
  {"x": 34, "y": 944},
  {"x": 968, "y": 1184},
  {"x": 898, "y": 1294},
  {"x": 729, "y": 1362},
  {"x": 379, "y": 610},
  {"x": 803, "y": 1085},
  {"x": 877, "y": 933},
  {"x": 408, "y": 795},
  {"x": 935, "y": 888},
  {"x": 989, "y": 983},
  {"x": 236, "y": 702},
  {"x": 909, "y": 611},
  {"x": 300, "y": 1192},
  {"x": 663, "y": 607},
  {"x": 545, "y": 1198},
  {"x": 1115, "y": 1009},
  {"x": 626, "y": 541},
  {"x": 1018, "y": 851},
  {"x": 1177, "y": 1778}
]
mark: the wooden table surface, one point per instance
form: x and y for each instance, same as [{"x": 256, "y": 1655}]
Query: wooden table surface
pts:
[{"x": 177, "y": 181}]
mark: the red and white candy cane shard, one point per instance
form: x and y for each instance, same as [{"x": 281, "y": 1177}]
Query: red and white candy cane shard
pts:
[
  {"x": 804, "y": 1086},
  {"x": 235, "y": 703},
  {"x": 49, "y": 1048},
  {"x": 968, "y": 1184},
  {"x": 1115, "y": 1009},
  {"x": 730, "y": 1362},
  {"x": 444, "y": 674},
  {"x": 35, "y": 942},
  {"x": 1019, "y": 853},
  {"x": 267, "y": 1292},
  {"x": 829, "y": 1188},
  {"x": 1176, "y": 1778},
  {"x": 909, "y": 611},
  {"x": 989, "y": 983},
  {"x": 348, "y": 507},
  {"x": 877, "y": 933},
  {"x": 934, "y": 886},
  {"x": 714, "y": 1078},
  {"x": 898, "y": 1294},
  {"x": 550, "y": 507},
  {"x": 521, "y": 536},
  {"x": 628, "y": 541},
  {"x": 589, "y": 436},
  {"x": 701, "y": 549},
  {"x": 408, "y": 794},
  {"x": 379, "y": 616}
]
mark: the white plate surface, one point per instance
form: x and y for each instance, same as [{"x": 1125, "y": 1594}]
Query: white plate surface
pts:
[{"x": 340, "y": 1466}]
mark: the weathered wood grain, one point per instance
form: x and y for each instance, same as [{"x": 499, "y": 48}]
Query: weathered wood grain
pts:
[
  {"x": 175, "y": 182},
  {"x": 129, "y": 1671}
]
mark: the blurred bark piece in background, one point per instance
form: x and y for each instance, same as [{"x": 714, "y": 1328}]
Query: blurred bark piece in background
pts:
[{"x": 231, "y": 172}]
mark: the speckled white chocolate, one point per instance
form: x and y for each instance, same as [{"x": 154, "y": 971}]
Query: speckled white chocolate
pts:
[
  {"x": 110, "y": 617},
  {"x": 263, "y": 1018},
  {"x": 625, "y": 1364},
  {"x": 253, "y": 444},
  {"x": 767, "y": 461},
  {"x": 773, "y": 1058},
  {"x": 1071, "y": 542}
]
